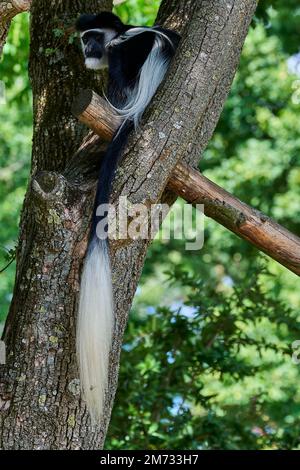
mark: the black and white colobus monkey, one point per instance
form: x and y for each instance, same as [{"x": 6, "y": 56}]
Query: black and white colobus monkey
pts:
[{"x": 137, "y": 59}]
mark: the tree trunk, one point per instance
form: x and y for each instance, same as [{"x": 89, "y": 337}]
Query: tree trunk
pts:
[{"x": 40, "y": 402}]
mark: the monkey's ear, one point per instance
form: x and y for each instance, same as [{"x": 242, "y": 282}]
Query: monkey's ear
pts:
[{"x": 85, "y": 22}]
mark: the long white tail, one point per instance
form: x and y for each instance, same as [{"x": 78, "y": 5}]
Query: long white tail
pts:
[{"x": 95, "y": 326}]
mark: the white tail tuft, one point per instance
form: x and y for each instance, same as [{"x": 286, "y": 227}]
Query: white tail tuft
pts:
[{"x": 95, "y": 326}]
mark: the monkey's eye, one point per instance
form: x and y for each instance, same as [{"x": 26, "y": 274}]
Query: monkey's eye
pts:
[{"x": 92, "y": 36}]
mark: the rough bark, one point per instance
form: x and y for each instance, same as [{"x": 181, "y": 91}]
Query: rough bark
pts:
[
  {"x": 176, "y": 14},
  {"x": 9, "y": 9},
  {"x": 41, "y": 407}
]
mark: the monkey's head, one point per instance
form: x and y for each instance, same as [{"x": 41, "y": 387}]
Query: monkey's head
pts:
[{"x": 96, "y": 32}]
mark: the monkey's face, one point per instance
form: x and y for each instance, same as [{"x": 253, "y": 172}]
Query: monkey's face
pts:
[
  {"x": 94, "y": 42},
  {"x": 96, "y": 32},
  {"x": 93, "y": 46}
]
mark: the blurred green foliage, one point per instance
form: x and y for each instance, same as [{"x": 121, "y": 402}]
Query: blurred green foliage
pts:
[
  {"x": 15, "y": 146},
  {"x": 214, "y": 373},
  {"x": 138, "y": 12},
  {"x": 206, "y": 361}
]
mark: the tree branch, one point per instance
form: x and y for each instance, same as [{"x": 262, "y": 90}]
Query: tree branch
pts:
[
  {"x": 245, "y": 221},
  {"x": 96, "y": 113},
  {"x": 8, "y": 10}
]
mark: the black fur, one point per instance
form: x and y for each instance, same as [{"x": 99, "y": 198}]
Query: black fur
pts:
[
  {"x": 94, "y": 44},
  {"x": 125, "y": 62},
  {"x": 107, "y": 171},
  {"x": 105, "y": 20}
]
